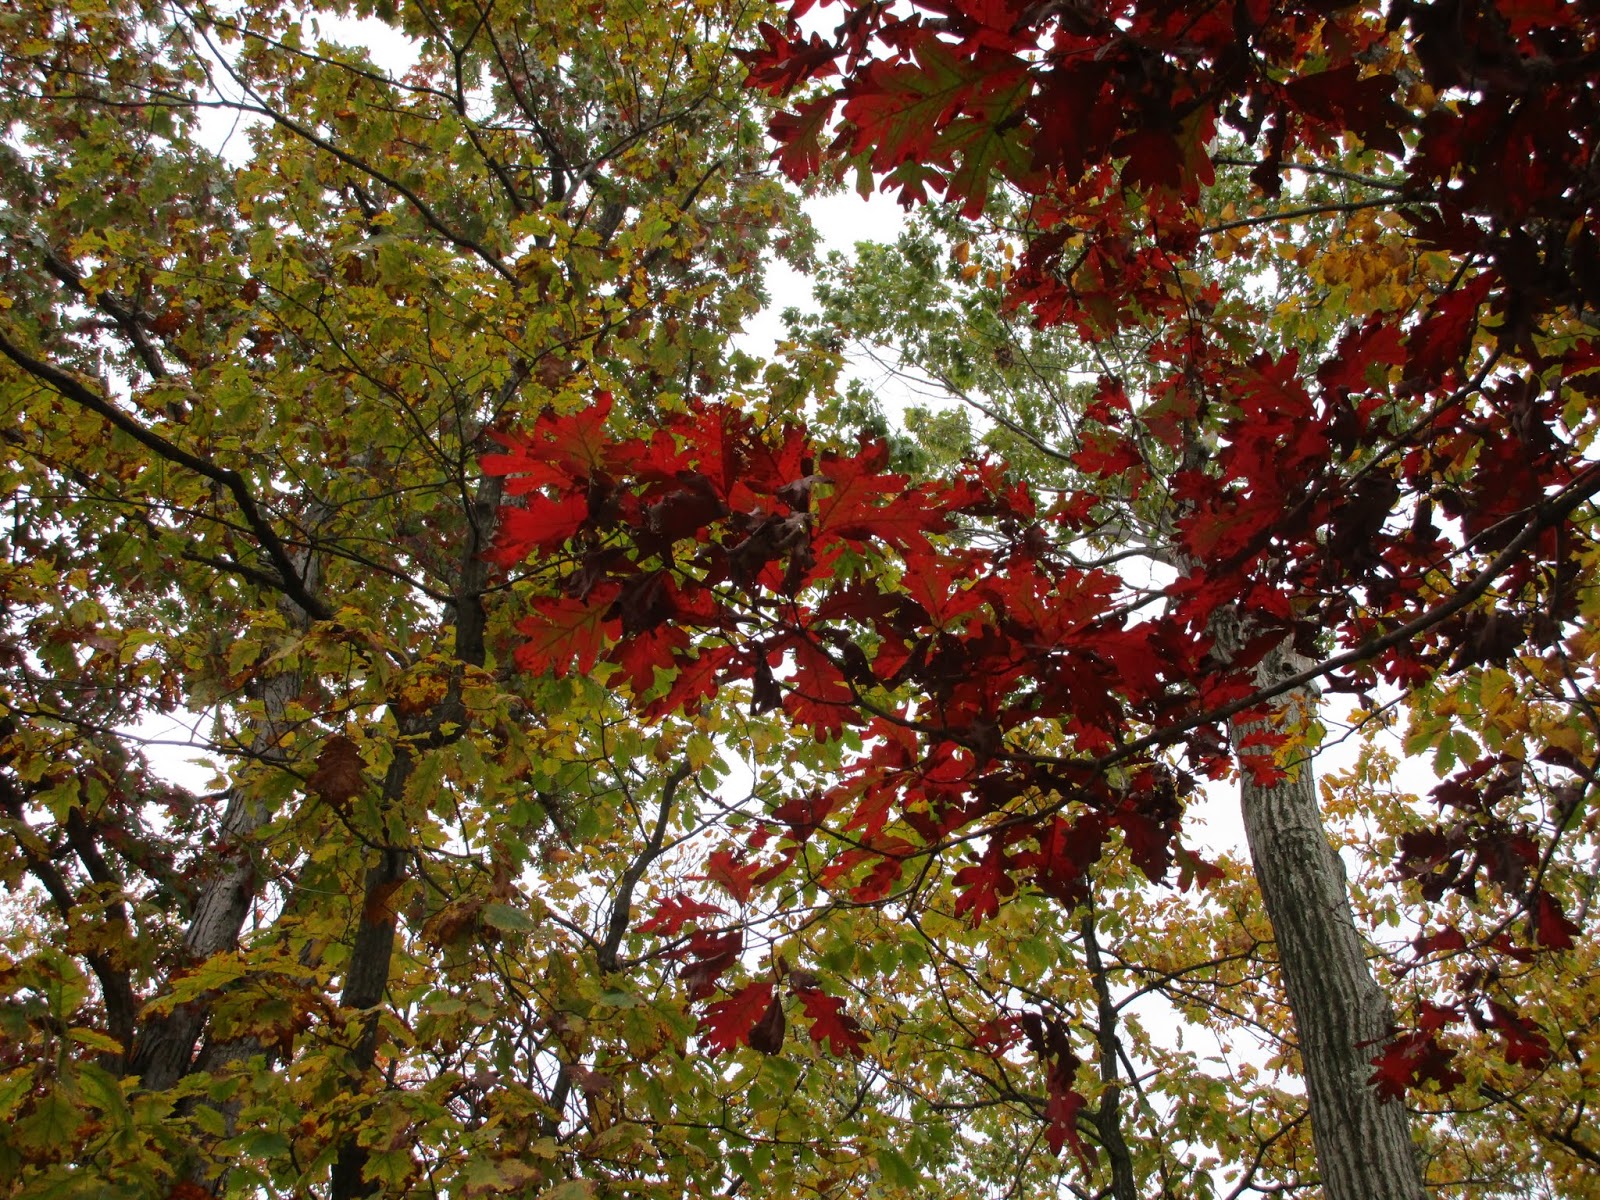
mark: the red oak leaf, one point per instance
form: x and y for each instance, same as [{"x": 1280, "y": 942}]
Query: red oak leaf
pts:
[
  {"x": 639, "y": 656},
  {"x": 1061, "y": 1109},
  {"x": 984, "y": 884},
  {"x": 766, "y": 1035},
  {"x": 729, "y": 869},
  {"x": 867, "y": 503},
  {"x": 729, "y": 1022},
  {"x": 1553, "y": 929},
  {"x": 785, "y": 63},
  {"x": 1441, "y": 341},
  {"x": 804, "y": 815},
  {"x": 698, "y": 679},
  {"x": 713, "y": 953},
  {"x": 820, "y": 699},
  {"x": 1524, "y": 1045},
  {"x": 831, "y": 1024},
  {"x": 564, "y": 634},
  {"x": 543, "y": 524},
  {"x": 1411, "y": 1060},
  {"x": 1443, "y": 942},
  {"x": 799, "y": 137},
  {"x": 674, "y": 912},
  {"x": 563, "y": 449},
  {"x": 1106, "y": 455}
]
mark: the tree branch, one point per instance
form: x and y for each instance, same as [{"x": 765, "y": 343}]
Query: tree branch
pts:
[{"x": 67, "y": 385}]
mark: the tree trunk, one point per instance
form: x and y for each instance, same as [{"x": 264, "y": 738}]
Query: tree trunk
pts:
[
  {"x": 371, "y": 956},
  {"x": 164, "y": 1052},
  {"x": 1341, "y": 1016}
]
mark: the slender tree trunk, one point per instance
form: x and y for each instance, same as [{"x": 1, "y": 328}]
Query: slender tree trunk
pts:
[
  {"x": 1341, "y": 1016},
  {"x": 1107, "y": 1117},
  {"x": 164, "y": 1052},
  {"x": 371, "y": 956}
]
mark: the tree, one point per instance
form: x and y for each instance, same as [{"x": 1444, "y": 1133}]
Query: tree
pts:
[
  {"x": 398, "y": 945},
  {"x": 243, "y": 406},
  {"x": 1315, "y": 513}
]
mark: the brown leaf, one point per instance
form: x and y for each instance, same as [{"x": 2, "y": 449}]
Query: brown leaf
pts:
[
  {"x": 766, "y": 1035},
  {"x": 454, "y": 921},
  {"x": 593, "y": 1083},
  {"x": 337, "y": 779}
]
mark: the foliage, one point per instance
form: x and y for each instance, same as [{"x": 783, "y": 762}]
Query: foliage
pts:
[
  {"x": 1398, "y": 487},
  {"x": 325, "y": 442},
  {"x": 244, "y": 400}
]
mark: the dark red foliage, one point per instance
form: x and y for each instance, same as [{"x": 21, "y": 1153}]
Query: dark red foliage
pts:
[
  {"x": 766, "y": 1035},
  {"x": 1418, "y": 1057},
  {"x": 728, "y": 1022},
  {"x": 1051, "y": 1045},
  {"x": 674, "y": 912},
  {"x": 991, "y": 685},
  {"x": 831, "y": 1024},
  {"x": 1074, "y": 103}
]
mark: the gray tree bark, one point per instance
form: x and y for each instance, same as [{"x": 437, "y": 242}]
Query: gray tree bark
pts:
[
  {"x": 1341, "y": 1015},
  {"x": 165, "y": 1050}
]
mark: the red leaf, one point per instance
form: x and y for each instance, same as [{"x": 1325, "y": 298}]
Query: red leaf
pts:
[
  {"x": 1434, "y": 1017},
  {"x": 728, "y": 868},
  {"x": 714, "y": 953},
  {"x": 1050, "y": 1043},
  {"x": 564, "y": 449},
  {"x": 699, "y": 678},
  {"x": 639, "y": 656},
  {"x": 1554, "y": 929},
  {"x": 1443, "y": 942},
  {"x": 985, "y": 884},
  {"x": 820, "y": 699},
  {"x": 1524, "y": 1046},
  {"x": 785, "y": 63},
  {"x": 525, "y": 464},
  {"x": 674, "y": 912},
  {"x": 1149, "y": 843},
  {"x": 564, "y": 633},
  {"x": 1411, "y": 1060},
  {"x": 1061, "y": 1109},
  {"x": 1343, "y": 99},
  {"x": 1106, "y": 455},
  {"x": 997, "y": 1035},
  {"x": 1364, "y": 352},
  {"x": 543, "y": 525},
  {"x": 729, "y": 1022},
  {"x": 799, "y": 137},
  {"x": 882, "y": 879},
  {"x": 805, "y": 814},
  {"x": 1065, "y": 854},
  {"x": 766, "y": 1035},
  {"x": 930, "y": 581},
  {"x": 1155, "y": 160},
  {"x": 1441, "y": 341},
  {"x": 867, "y": 503},
  {"x": 831, "y": 1024},
  {"x": 579, "y": 442}
]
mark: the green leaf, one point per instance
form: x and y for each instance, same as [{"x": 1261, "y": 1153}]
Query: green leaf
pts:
[
  {"x": 54, "y": 1123},
  {"x": 13, "y": 1088},
  {"x": 572, "y": 1189},
  {"x": 895, "y": 1170},
  {"x": 507, "y": 918}
]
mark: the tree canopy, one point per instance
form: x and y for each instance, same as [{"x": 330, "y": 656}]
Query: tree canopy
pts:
[{"x": 643, "y": 770}]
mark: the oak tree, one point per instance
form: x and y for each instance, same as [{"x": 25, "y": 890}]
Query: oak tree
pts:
[
  {"x": 244, "y": 396},
  {"x": 1395, "y": 506}
]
